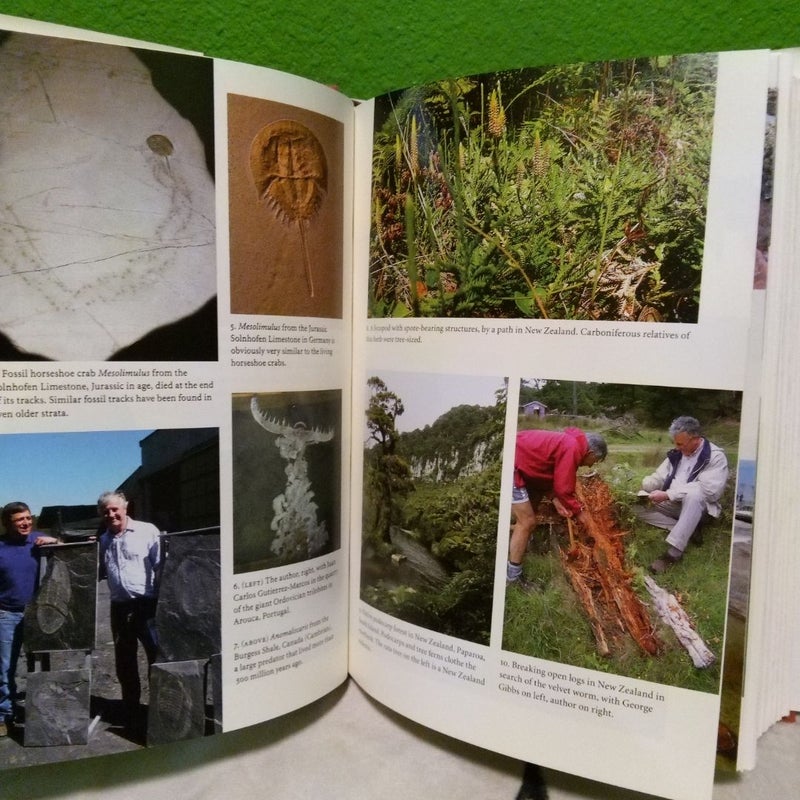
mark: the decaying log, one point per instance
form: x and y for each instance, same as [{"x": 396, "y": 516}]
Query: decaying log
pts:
[
  {"x": 595, "y": 566},
  {"x": 670, "y": 611},
  {"x": 587, "y": 600}
]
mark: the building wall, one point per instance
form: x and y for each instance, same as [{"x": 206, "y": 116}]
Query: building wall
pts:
[{"x": 177, "y": 486}]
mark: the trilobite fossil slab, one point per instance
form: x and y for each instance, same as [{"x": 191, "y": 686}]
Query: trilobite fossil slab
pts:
[{"x": 62, "y": 614}]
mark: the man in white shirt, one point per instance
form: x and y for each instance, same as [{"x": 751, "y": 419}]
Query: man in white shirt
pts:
[
  {"x": 684, "y": 489},
  {"x": 129, "y": 558}
]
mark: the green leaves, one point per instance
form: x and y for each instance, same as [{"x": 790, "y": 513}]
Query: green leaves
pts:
[
  {"x": 387, "y": 474},
  {"x": 581, "y": 196}
]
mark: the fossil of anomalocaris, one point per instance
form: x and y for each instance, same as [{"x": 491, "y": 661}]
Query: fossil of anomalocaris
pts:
[
  {"x": 288, "y": 167},
  {"x": 298, "y": 532}
]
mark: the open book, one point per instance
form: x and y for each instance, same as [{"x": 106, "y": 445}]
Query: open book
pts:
[{"x": 305, "y": 332}]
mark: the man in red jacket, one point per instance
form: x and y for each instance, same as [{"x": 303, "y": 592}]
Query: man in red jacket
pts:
[{"x": 545, "y": 465}]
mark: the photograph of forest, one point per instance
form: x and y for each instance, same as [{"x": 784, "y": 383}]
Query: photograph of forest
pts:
[
  {"x": 431, "y": 498},
  {"x": 568, "y": 192},
  {"x": 592, "y": 599}
]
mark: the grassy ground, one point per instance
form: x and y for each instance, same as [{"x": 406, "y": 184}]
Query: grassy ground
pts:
[{"x": 550, "y": 623}]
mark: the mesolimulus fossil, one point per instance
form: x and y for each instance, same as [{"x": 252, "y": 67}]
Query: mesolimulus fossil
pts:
[
  {"x": 161, "y": 146},
  {"x": 288, "y": 167}
]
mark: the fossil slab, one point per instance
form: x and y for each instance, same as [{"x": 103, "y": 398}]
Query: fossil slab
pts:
[
  {"x": 177, "y": 709},
  {"x": 106, "y": 202},
  {"x": 214, "y": 673},
  {"x": 62, "y": 615},
  {"x": 188, "y": 615},
  {"x": 286, "y": 183},
  {"x": 57, "y": 708}
]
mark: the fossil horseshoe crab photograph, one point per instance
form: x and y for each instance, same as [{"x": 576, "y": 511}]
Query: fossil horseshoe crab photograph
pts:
[
  {"x": 287, "y": 477},
  {"x": 621, "y": 524},
  {"x": 286, "y": 209},
  {"x": 129, "y": 540},
  {"x": 107, "y": 202},
  {"x": 569, "y": 192}
]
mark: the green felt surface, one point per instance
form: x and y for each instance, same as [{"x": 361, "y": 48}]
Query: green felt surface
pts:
[{"x": 366, "y": 48}]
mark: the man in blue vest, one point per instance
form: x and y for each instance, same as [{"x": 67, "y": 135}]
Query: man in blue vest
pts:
[
  {"x": 19, "y": 573},
  {"x": 685, "y": 489}
]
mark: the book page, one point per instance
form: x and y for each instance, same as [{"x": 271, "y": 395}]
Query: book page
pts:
[
  {"x": 770, "y": 685},
  {"x": 175, "y": 235},
  {"x": 288, "y": 176},
  {"x": 555, "y": 271}
]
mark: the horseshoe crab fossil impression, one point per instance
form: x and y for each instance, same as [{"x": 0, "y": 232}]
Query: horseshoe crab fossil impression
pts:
[{"x": 288, "y": 167}]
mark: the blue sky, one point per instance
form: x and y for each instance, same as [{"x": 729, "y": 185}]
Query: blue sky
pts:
[
  {"x": 65, "y": 468},
  {"x": 747, "y": 480},
  {"x": 426, "y": 396}
]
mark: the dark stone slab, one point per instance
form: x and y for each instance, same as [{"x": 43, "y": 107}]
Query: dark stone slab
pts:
[
  {"x": 62, "y": 615},
  {"x": 188, "y": 620},
  {"x": 214, "y": 673},
  {"x": 57, "y": 708},
  {"x": 177, "y": 708}
]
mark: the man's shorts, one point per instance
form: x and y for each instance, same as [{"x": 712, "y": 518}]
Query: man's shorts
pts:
[
  {"x": 530, "y": 493},
  {"x": 519, "y": 494}
]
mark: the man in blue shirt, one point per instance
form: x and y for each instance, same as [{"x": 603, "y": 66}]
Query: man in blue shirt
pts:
[{"x": 19, "y": 572}]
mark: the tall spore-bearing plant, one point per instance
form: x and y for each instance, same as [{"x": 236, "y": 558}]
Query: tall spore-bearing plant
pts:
[
  {"x": 625, "y": 216},
  {"x": 574, "y": 191}
]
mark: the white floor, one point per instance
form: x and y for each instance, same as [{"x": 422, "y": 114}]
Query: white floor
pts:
[{"x": 346, "y": 746}]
